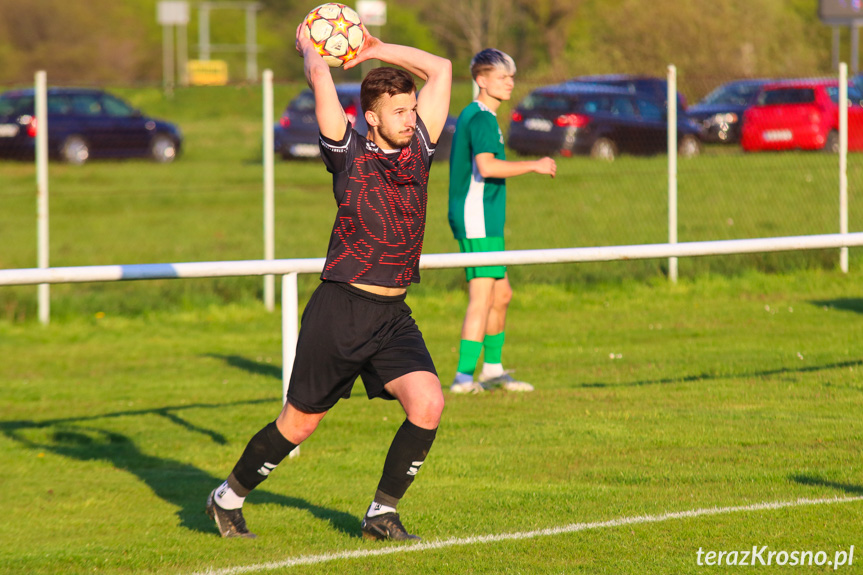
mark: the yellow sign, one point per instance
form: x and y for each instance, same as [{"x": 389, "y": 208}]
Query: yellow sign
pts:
[{"x": 208, "y": 72}]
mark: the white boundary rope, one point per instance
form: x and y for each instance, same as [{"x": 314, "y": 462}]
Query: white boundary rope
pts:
[{"x": 484, "y": 539}]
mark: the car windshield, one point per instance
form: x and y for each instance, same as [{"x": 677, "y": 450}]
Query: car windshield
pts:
[
  {"x": 85, "y": 104},
  {"x": 855, "y": 96},
  {"x": 305, "y": 101},
  {"x": 622, "y": 106},
  {"x": 650, "y": 110},
  {"x": 116, "y": 107},
  {"x": 547, "y": 101},
  {"x": 734, "y": 94},
  {"x": 346, "y": 100},
  {"x": 630, "y": 85},
  {"x": 781, "y": 96},
  {"x": 16, "y": 105}
]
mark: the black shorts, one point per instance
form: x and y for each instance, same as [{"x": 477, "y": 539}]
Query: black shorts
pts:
[{"x": 348, "y": 332}]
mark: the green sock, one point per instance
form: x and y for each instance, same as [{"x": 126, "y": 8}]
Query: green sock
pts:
[
  {"x": 493, "y": 347},
  {"x": 468, "y": 356}
]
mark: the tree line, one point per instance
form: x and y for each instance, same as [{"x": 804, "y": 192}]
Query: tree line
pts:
[{"x": 710, "y": 41}]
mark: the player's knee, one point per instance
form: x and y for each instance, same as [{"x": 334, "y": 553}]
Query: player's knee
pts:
[
  {"x": 502, "y": 296},
  {"x": 303, "y": 429},
  {"x": 297, "y": 426},
  {"x": 427, "y": 414},
  {"x": 436, "y": 405}
]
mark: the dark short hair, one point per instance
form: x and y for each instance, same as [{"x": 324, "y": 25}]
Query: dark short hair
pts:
[
  {"x": 488, "y": 60},
  {"x": 384, "y": 80}
]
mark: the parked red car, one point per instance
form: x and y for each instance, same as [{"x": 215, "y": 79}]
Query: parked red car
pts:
[{"x": 802, "y": 114}]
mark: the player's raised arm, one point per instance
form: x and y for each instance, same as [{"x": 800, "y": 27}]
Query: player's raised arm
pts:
[
  {"x": 331, "y": 117},
  {"x": 433, "y": 100}
]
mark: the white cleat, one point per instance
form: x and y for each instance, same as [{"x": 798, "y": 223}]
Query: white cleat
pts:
[
  {"x": 507, "y": 382},
  {"x": 466, "y": 387}
]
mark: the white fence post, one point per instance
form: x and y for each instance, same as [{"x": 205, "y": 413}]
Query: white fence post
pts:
[
  {"x": 843, "y": 162},
  {"x": 672, "y": 168},
  {"x": 290, "y": 331},
  {"x": 269, "y": 190},
  {"x": 42, "y": 219}
]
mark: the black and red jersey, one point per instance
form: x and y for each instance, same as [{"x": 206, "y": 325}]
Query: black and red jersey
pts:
[{"x": 378, "y": 233}]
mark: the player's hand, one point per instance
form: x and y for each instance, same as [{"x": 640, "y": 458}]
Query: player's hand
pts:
[
  {"x": 369, "y": 51},
  {"x": 302, "y": 39},
  {"x": 546, "y": 166}
]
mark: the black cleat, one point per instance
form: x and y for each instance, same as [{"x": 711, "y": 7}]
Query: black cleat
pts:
[
  {"x": 386, "y": 526},
  {"x": 229, "y": 521}
]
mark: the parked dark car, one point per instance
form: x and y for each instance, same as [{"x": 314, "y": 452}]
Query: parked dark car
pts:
[
  {"x": 296, "y": 135},
  {"x": 720, "y": 113},
  {"x": 84, "y": 124},
  {"x": 601, "y": 121},
  {"x": 655, "y": 87}
]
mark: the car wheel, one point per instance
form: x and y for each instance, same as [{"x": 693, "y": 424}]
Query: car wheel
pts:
[
  {"x": 831, "y": 144},
  {"x": 75, "y": 150},
  {"x": 689, "y": 147},
  {"x": 163, "y": 149},
  {"x": 604, "y": 149}
]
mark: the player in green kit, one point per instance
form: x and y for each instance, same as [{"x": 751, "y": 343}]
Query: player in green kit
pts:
[{"x": 477, "y": 213}]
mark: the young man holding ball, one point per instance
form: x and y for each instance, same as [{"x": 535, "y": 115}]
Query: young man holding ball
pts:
[
  {"x": 477, "y": 212},
  {"x": 357, "y": 323}
]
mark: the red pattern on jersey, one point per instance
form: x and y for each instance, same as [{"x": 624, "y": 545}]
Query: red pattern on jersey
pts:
[{"x": 380, "y": 224}]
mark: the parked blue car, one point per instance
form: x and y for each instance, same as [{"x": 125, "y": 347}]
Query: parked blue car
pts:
[
  {"x": 651, "y": 85},
  {"x": 720, "y": 114},
  {"x": 596, "y": 120},
  {"x": 84, "y": 124}
]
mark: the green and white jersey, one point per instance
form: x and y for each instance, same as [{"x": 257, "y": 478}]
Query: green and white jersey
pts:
[{"x": 477, "y": 206}]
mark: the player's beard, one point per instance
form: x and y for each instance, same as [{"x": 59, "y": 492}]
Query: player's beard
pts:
[{"x": 394, "y": 140}]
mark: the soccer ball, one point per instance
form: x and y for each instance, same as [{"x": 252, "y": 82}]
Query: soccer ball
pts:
[{"x": 336, "y": 32}]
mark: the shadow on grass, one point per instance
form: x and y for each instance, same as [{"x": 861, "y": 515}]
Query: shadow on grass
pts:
[
  {"x": 254, "y": 367},
  {"x": 714, "y": 376},
  {"x": 169, "y": 412},
  {"x": 819, "y": 482},
  {"x": 176, "y": 482},
  {"x": 844, "y": 304}
]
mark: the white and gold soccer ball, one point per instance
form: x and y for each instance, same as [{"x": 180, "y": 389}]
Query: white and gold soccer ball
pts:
[{"x": 336, "y": 32}]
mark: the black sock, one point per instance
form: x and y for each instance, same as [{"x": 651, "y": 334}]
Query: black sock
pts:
[
  {"x": 407, "y": 453},
  {"x": 263, "y": 453}
]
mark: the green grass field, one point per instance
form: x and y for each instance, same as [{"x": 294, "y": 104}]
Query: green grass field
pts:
[
  {"x": 738, "y": 386},
  {"x": 650, "y": 399}
]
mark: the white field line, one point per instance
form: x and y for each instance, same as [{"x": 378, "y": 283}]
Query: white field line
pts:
[{"x": 572, "y": 528}]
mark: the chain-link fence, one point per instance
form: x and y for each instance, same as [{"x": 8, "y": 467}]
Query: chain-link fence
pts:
[
  {"x": 209, "y": 201},
  {"x": 724, "y": 191}
]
